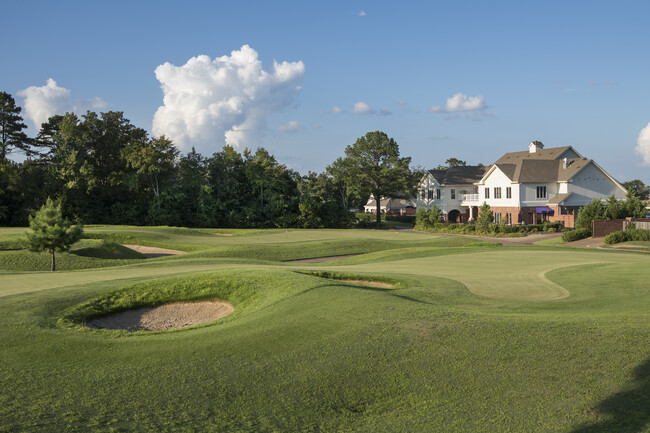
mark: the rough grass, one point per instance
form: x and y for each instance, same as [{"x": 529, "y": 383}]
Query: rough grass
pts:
[{"x": 305, "y": 353}]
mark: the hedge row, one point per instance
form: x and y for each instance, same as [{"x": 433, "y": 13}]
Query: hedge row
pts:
[
  {"x": 492, "y": 229},
  {"x": 628, "y": 235}
]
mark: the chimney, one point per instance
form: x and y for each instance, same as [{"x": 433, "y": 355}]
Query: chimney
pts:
[
  {"x": 565, "y": 162},
  {"x": 535, "y": 146}
]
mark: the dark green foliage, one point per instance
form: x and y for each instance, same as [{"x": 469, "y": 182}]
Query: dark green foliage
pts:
[
  {"x": 485, "y": 217},
  {"x": 321, "y": 203},
  {"x": 406, "y": 219},
  {"x": 577, "y": 234},
  {"x": 373, "y": 166},
  {"x": 636, "y": 186},
  {"x": 627, "y": 236},
  {"x": 50, "y": 231},
  {"x": 428, "y": 218},
  {"x": 594, "y": 210},
  {"x": 12, "y": 136}
]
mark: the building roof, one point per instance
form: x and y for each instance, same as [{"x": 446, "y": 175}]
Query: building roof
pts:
[
  {"x": 550, "y": 153},
  {"x": 460, "y": 175},
  {"x": 541, "y": 166},
  {"x": 559, "y": 198}
]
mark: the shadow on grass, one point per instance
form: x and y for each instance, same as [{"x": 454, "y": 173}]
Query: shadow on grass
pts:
[{"x": 627, "y": 411}]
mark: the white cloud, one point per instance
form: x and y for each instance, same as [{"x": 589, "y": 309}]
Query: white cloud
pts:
[
  {"x": 461, "y": 102},
  {"x": 401, "y": 102},
  {"x": 42, "y": 102},
  {"x": 362, "y": 13},
  {"x": 227, "y": 100},
  {"x": 643, "y": 144},
  {"x": 334, "y": 110},
  {"x": 291, "y": 126},
  {"x": 362, "y": 108}
]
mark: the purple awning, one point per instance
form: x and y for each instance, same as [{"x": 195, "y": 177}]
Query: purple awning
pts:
[{"x": 544, "y": 210}]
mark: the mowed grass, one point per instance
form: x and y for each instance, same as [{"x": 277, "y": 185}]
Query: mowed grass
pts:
[{"x": 473, "y": 338}]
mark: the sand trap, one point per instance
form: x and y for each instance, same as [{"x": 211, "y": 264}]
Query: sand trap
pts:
[
  {"x": 166, "y": 316},
  {"x": 370, "y": 283},
  {"x": 321, "y": 259},
  {"x": 222, "y": 234},
  {"x": 153, "y": 252}
]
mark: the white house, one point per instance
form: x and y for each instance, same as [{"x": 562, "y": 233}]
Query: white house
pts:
[
  {"x": 543, "y": 185},
  {"x": 521, "y": 187},
  {"x": 392, "y": 206},
  {"x": 448, "y": 188}
]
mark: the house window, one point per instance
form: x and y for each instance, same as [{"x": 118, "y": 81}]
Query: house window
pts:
[
  {"x": 487, "y": 192},
  {"x": 497, "y": 217},
  {"x": 430, "y": 194},
  {"x": 541, "y": 192},
  {"x": 508, "y": 217},
  {"x": 497, "y": 192},
  {"x": 423, "y": 194},
  {"x": 438, "y": 193},
  {"x": 508, "y": 192},
  {"x": 453, "y": 194}
]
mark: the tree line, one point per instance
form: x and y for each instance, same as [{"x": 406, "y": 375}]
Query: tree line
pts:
[{"x": 102, "y": 169}]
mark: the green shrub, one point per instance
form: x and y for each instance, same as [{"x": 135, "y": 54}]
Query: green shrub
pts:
[
  {"x": 576, "y": 235},
  {"x": 406, "y": 219},
  {"x": 628, "y": 235}
]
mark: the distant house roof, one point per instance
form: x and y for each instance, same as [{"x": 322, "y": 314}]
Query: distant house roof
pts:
[{"x": 460, "y": 175}]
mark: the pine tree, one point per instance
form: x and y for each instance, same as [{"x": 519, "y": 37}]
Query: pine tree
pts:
[
  {"x": 11, "y": 127},
  {"x": 51, "y": 231}
]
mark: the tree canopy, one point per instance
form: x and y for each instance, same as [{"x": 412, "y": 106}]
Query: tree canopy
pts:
[
  {"x": 12, "y": 136},
  {"x": 373, "y": 166}
]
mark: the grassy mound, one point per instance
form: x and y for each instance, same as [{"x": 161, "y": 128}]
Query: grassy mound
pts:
[
  {"x": 86, "y": 254},
  {"x": 245, "y": 290}
]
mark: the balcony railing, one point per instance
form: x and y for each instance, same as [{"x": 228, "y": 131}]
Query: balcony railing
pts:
[{"x": 470, "y": 197}]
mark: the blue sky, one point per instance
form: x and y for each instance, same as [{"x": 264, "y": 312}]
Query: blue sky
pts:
[{"x": 565, "y": 73}]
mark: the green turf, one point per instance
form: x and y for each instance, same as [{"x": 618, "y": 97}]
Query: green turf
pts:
[{"x": 472, "y": 338}]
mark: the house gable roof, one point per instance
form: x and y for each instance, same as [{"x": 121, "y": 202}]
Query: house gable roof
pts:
[
  {"x": 541, "y": 154},
  {"x": 461, "y": 175}
]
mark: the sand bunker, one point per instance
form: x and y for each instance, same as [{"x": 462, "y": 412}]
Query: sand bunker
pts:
[
  {"x": 166, "y": 316},
  {"x": 222, "y": 234},
  {"x": 153, "y": 252},
  {"x": 370, "y": 283}
]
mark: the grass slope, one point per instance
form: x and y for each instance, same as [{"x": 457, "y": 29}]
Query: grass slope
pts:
[{"x": 457, "y": 345}]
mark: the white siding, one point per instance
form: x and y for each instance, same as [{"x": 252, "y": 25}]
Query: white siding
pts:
[
  {"x": 529, "y": 193},
  {"x": 498, "y": 179},
  {"x": 591, "y": 183}
]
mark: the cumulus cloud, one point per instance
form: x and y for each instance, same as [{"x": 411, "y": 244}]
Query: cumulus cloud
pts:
[
  {"x": 362, "y": 108},
  {"x": 643, "y": 144},
  {"x": 291, "y": 126},
  {"x": 461, "y": 102},
  {"x": 226, "y": 100},
  {"x": 334, "y": 110},
  {"x": 42, "y": 102},
  {"x": 362, "y": 13}
]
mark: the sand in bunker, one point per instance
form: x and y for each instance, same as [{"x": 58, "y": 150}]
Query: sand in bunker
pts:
[
  {"x": 153, "y": 252},
  {"x": 166, "y": 316}
]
